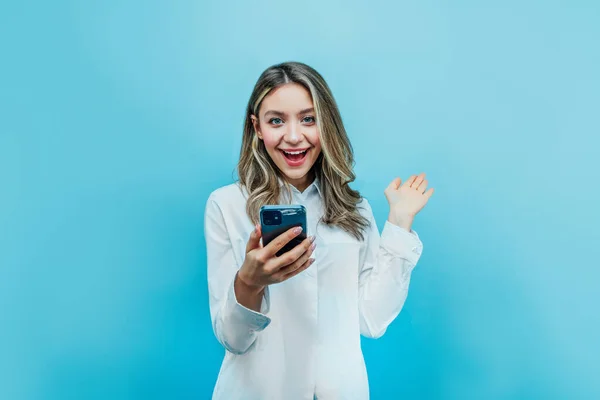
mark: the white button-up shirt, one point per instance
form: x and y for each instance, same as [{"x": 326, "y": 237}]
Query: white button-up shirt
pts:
[{"x": 305, "y": 341}]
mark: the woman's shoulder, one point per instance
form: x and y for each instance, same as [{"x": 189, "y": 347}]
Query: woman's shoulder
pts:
[
  {"x": 231, "y": 194},
  {"x": 364, "y": 207}
]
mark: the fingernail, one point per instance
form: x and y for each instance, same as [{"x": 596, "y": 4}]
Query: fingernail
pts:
[
  {"x": 312, "y": 238},
  {"x": 298, "y": 229},
  {"x": 313, "y": 246}
]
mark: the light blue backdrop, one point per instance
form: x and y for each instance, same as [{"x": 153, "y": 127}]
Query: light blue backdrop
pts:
[{"x": 118, "y": 118}]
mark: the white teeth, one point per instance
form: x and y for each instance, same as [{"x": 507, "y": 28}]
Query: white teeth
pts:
[{"x": 294, "y": 152}]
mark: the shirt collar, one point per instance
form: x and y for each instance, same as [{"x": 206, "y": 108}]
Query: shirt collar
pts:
[{"x": 315, "y": 185}]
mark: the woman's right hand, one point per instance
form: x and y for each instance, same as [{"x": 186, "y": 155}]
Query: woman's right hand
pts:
[{"x": 263, "y": 267}]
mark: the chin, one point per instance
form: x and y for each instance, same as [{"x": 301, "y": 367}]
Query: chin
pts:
[{"x": 296, "y": 175}]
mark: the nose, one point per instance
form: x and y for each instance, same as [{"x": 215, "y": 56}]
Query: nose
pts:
[{"x": 293, "y": 134}]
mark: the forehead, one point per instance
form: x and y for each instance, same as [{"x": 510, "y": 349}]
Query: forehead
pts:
[{"x": 291, "y": 97}]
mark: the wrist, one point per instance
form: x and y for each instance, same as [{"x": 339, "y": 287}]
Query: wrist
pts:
[
  {"x": 247, "y": 285},
  {"x": 402, "y": 220}
]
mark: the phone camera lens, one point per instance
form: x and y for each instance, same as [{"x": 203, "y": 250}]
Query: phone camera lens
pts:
[{"x": 272, "y": 218}]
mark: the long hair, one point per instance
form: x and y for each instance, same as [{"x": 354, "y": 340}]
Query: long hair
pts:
[{"x": 260, "y": 176}]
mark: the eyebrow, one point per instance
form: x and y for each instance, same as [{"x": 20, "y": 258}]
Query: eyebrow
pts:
[{"x": 282, "y": 114}]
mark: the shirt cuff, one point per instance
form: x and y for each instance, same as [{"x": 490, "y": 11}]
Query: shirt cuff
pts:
[
  {"x": 401, "y": 243},
  {"x": 256, "y": 321}
]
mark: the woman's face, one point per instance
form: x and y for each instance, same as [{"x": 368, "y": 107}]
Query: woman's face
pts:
[{"x": 287, "y": 126}]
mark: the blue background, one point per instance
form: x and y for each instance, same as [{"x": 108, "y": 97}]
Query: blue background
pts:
[{"x": 117, "y": 119}]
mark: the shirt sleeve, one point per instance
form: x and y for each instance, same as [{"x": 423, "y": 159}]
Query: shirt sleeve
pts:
[
  {"x": 387, "y": 261},
  {"x": 234, "y": 325}
]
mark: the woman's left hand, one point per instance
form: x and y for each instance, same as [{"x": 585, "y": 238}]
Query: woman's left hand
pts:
[{"x": 407, "y": 199}]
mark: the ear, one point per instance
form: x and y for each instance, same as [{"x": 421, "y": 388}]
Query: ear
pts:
[{"x": 256, "y": 125}]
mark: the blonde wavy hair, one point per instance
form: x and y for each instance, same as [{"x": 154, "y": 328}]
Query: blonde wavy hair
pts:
[{"x": 259, "y": 175}]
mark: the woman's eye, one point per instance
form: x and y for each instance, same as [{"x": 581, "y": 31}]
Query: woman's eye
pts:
[
  {"x": 276, "y": 121},
  {"x": 308, "y": 120}
]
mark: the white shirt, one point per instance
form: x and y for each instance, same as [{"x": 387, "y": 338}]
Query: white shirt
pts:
[{"x": 305, "y": 342}]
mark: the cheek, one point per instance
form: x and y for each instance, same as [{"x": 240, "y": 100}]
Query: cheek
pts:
[
  {"x": 271, "y": 138},
  {"x": 314, "y": 138}
]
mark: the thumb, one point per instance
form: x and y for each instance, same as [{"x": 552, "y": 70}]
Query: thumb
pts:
[
  {"x": 254, "y": 241},
  {"x": 394, "y": 185}
]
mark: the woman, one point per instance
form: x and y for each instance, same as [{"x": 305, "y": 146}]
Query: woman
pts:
[{"x": 291, "y": 324}]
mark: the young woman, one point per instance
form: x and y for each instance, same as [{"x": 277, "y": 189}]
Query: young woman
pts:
[{"x": 291, "y": 324}]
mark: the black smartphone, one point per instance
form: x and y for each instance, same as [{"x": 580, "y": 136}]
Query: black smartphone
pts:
[{"x": 276, "y": 219}]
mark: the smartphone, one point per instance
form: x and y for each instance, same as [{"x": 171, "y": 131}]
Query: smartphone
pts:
[{"x": 276, "y": 219}]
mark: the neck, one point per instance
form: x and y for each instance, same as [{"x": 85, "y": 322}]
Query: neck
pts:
[{"x": 302, "y": 183}]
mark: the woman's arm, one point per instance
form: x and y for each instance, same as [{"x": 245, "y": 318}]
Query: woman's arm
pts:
[
  {"x": 386, "y": 265},
  {"x": 234, "y": 322},
  {"x": 387, "y": 261}
]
